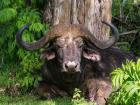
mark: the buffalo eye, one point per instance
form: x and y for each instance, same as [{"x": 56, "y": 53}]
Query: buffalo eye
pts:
[
  {"x": 60, "y": 42},
  {"x": 79, "y": 42}
]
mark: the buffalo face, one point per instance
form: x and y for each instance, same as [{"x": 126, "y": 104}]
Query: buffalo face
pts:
[{"x": 69, "y": 51}]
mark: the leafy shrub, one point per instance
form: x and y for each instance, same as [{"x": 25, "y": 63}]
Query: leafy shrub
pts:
[
  {"x": 77, "y": 93},
  {"x": 126, "y": 14},
  {"x": 127, "y": 81},
  {"x": 16, "y": 65},
  {"x": 7, "y": 14},
  {"x": 78, "y": 99}
]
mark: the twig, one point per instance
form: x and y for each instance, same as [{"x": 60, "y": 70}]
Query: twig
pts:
[
  {"x": 123, "y": 22},
  {"x": 120, "y": 20},
  {"x": 129, "y": 32}
]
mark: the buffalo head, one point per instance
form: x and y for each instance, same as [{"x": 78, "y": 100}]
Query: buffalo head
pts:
[{"x": 69, "y": 44}]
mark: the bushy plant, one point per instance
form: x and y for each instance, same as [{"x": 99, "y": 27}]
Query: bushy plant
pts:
[
  {"x": 18, "y": 66},
  {"x": 126, "y": 14},
  {"x": 78, "y": 99},
  {"x": 126, "y": 80}
]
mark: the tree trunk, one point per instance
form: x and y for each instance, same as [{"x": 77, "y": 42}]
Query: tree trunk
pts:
[{"x": 90, "y": 13}]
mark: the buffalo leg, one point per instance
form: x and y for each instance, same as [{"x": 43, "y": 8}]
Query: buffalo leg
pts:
[
  {"x": 97, "y": 90},
  {"x": 48, "y": 91}
]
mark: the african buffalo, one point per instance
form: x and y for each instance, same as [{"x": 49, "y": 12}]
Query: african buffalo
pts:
[{"x": 75, "y": 58}]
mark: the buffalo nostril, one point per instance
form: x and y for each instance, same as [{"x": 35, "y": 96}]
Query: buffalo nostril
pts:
[
  {"x": 71, "y": 65},
  {"x": 76, "y": 66},
  {"x": 66, "y": 66}
]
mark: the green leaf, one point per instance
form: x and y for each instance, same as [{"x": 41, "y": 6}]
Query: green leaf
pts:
[
  {"x": 128, "y": 79},
  {"x": 37, "y": 27},
  {"x": 4, "y": 3},
  {"x": 7, "y": 14}
]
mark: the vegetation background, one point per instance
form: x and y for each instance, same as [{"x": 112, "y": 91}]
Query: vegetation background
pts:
[{"x": 19, "y": 69}]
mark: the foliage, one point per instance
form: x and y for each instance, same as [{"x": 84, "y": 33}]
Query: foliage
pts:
[
  {"x": 78, "y": 99},
  {"x": 77, "y": 94},
  {"x": 126, "y": 14},
  {"x": 16, "y": 65},
  {"x": 126, "y": 80},
  {"x": 5, "y": 16}
]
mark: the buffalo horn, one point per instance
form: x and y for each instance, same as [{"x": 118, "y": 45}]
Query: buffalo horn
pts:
[{"x": 113, "y": 39}]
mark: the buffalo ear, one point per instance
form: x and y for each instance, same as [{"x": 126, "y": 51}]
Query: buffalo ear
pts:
[
  {"x": 93, "y": 56},
  {"x": 48, "y": 55}
]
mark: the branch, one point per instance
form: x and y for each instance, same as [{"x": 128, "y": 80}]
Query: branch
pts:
[
  {"x": 122, "y": 22},
  {"x": 115, "y": 18},
  {"x": 129, "y": 32}
]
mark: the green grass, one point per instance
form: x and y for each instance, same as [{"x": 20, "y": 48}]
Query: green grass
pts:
[{"x": 32, "y": 100}]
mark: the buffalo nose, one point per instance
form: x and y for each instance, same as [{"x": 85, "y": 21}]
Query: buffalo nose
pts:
[{"x": 71, "y": 65}]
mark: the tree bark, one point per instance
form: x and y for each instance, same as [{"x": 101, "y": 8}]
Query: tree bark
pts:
[{"x": 90, "y": 13}]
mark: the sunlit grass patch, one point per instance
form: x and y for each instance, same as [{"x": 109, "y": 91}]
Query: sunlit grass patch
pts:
[{"x": 32, "y": 100}]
